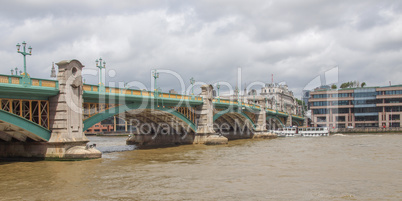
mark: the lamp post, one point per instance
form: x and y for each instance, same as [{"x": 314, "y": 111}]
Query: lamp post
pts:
[
  {"x": 155, "y": 74},
  {"x": 101, "y": 85},
  {"x": 218, "y": 86},
  {"x": 192, "y": 81},
  {"x": 254, "y": 92},
  {"x": 26, "y": 80},
  {"x": 237, "y": 91}
]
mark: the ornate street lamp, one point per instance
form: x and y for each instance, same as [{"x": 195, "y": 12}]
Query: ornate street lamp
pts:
[
  {"x": 101, "y": 85},
  {"x": 192, "y": 81},
  {"x": 26, "y": 80},
  {"x": 155, "y": 74},
  {"x": 218, "y": 86},
  {"x": 254, "y": 92}
]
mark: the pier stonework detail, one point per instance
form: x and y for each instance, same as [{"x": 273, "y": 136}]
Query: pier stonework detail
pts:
[
  {"x": 67, "y": 138},
  {"x": 261, "y": 119},
  {"x": 205, "y": 118}
]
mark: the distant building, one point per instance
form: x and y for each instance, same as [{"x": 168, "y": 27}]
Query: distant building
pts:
[
  {"x": 278, "y": 97},
  {"x": 281, "y": 98},
  {"x": 172, "y": 91},
  {"x": 306, "y": 96},
  {"x": 357, "y": 108},
  {"x": 111, "y": 124}
]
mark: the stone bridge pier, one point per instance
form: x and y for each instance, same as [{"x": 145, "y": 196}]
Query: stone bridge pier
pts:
[
  {"x": 205, "y": 117},
  {"x": 68, "y": 139},
  {"x": 260, "y": 130}
]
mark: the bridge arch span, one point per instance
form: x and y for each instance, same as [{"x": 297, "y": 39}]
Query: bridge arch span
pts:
[
  {"x": 148, "y": 114},
  {"x": 232, "y": 118},
  {"x": 274, "y": 120},
  {"x": 14, "y": 126}
]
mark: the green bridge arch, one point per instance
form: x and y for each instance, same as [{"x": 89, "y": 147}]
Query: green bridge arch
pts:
[
  {"x": 219, "y": 114},
  {"x": 275, "y": 117},
  {"x": 25, "y": 124},
  {"x": 88, "y": 123}
]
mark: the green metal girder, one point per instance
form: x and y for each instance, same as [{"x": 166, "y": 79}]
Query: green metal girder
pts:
[
  {"x": 275, "y": 117},
  {"x": 298, "y": 124},
  {"x": 228, "y": 105},
  {"x": 16, "y": 91},
  {"x": 90, "y": 96},
  {"x": 298, "y": 118},
  {"x": 25, "y": 124},
  {"x": 219, "y": 114},
  {"x": 132, "y": 106}
]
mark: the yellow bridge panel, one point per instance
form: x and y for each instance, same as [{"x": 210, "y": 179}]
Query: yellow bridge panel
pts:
[
  {"x": 3, "y": 79},
  {"x": 15, "y": 80},
  {"x": 86, "y": 88},
  {"x": 35, "y": 82},
  {"x": 47, "y": 83},
  {"x": 136, "y": 92}
]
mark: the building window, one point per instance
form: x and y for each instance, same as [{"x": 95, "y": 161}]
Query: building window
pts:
[
  {"x": 366, "y": 118},
  {"x": 365, "y": 94},
  {"x": 340, "y": 118},
  {"x": 320, "y": 96},
  {"x": 394, "y": 92},
  {"x": 321, "y": 119},
  {"x": 340, "y": 95},
  {"x": 340, "y": 110},
  {"x": 320, "y": 111},
  {"x": 344, "y": 102},
  {"x": 320, "y": 103}
]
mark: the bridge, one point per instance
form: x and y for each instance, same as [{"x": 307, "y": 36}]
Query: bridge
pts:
[{"x": 47, "y": 118}]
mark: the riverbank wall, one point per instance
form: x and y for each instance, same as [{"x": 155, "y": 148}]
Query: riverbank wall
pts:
[{"x": 366, "y": 130}]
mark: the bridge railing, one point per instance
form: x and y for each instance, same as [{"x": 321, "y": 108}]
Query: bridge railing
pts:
[
  {"x": 224, "y": 101},
  {"x": 136, "y": 92},
  {"x": 16, "y": 79}
]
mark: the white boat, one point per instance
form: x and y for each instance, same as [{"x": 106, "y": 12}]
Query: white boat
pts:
[
  {"x": 286, "y": 132},
  {"x": 303, "y": 132},
  {"x": 314, "y": 131}
]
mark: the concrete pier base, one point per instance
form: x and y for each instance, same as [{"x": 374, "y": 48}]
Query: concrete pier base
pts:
[
  {"x": 49, "y": 151},
  {"x": 150, "y": 141},
  {"x": 237, "y": 135},
  {"x": 264, "y": 135},
  {"x": 210, "y": 139}
]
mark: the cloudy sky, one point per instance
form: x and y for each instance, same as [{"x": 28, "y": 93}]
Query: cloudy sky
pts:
[{"x": 209, "y": 40}]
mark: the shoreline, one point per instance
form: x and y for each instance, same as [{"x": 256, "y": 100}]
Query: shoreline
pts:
[{"x": 365, "y": 133}]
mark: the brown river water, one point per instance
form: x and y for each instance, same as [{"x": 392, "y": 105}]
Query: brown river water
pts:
[{"x": 339, "y": 167}]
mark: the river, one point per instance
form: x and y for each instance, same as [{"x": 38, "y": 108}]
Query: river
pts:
[{"x": 338, "y": 167}]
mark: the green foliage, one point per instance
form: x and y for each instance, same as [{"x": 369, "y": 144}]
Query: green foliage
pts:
[
  {"x": 352, "y": 84},
  {"x": 334, "y": 86}
]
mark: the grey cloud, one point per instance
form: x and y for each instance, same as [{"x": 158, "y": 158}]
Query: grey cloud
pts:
[{"x": 209, "y": 40}]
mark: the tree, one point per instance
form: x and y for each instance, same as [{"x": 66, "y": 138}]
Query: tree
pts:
[
  {"x": 352, "y": 84},
  {"x": 345, "y": 85},
  {"x": 334, "y": 86}
]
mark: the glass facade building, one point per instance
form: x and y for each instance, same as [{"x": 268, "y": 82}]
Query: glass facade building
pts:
[{"x": 357, "y": 108}]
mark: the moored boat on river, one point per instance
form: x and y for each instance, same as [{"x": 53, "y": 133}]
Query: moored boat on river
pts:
[{"x": 302, "y": 132}]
